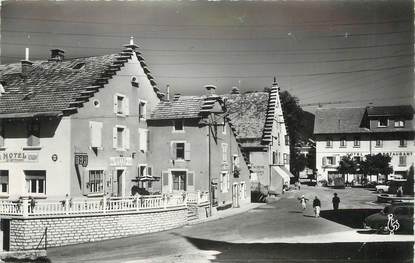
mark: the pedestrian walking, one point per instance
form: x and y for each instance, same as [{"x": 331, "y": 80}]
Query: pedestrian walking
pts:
[
  {"x": 316, "y": 206},
  {"x": 335, "y": 201},
  {"x": 303, "y": 202}
]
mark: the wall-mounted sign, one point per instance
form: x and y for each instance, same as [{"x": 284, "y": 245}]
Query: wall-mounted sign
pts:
[
  {"x": 81, "y": 159},
  {"x": 54, "y": 157},
  {"x": 19, "y": 157},
  {"x": 121, "y": 161}
]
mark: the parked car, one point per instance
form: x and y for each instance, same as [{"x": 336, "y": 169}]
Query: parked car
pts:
[
  {"x": 389, "y": 186},
  {"x": 402, "y": 212}
]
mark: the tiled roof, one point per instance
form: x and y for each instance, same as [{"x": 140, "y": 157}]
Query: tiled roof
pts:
[
  {"x": 247, "y": 113},
  {"x": 184, "y": 107},
  {"x": 401, "y": 110},
  {"x": 339, "y": 120},
  {"x": 55, "y": 86}
]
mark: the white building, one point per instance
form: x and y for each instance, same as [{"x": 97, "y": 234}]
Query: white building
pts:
[{"x": 361, "y": 131}]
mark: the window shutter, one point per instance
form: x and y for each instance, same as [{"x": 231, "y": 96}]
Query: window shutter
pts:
[
  {"x": 127, "y": 138},
  {"x": 173, "y": 150},
  {"x": 324, "y": 160},
  {"x": 221, "y": 181},
  {"x": 165, "y": 178},
  {"x": 114, "y": 137},
  {"x": 190, "y": 178},
  {"x": 148, "y": 140},
  {"x": 115, "y": 104},
  {"x": 143, "y": 139},
  {"x": 149, "y": 170},
  {"x": 126, "y": 106},
  {"x": 187, "y": 151},
  {"x": 95, "y": 134},
  {"x": 85, "y": 181},
  {"x": 229, "y": 180}
]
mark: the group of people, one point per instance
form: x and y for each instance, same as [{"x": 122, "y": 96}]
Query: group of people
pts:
[{"x": 317, "y": 204}]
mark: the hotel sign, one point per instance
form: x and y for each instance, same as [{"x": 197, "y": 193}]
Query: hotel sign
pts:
[
  {"x": 383, "y": 153},
  {"x": 121, "y": 161},
  {"x": 81, "y": 159},
  {"x": 10, "y": 157}
]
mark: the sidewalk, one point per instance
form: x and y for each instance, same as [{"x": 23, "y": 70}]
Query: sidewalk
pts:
[{"x": 226, "y": 213}]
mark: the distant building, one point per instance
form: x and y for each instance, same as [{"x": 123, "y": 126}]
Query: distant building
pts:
[
  {"x": 74, "y": 126},
  {"x": 259, "y": 123},
  {"x": 193, "y": 148},
  {"x": 360, "y": 131}
]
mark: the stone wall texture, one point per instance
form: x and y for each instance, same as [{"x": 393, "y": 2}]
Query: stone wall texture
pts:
[{"x": 26, "y": 234}]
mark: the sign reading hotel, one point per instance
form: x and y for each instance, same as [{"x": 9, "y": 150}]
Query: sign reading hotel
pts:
[
  {"x": 10, "y": 157},
  {"x": 121, "y": 161},
  {"x": 81, "y": 159}
]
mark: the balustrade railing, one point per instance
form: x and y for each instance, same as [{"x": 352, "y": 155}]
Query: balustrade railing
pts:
[
  {"x": 28, "y": 208},
  {"x": 198, "y": 197}
]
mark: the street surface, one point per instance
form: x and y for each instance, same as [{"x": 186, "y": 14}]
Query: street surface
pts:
[{"x": 276, "y": 232}]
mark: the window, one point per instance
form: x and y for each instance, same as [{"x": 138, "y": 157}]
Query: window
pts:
[
  {"x": 329, "y": 142},
  {"x": 378, "y": 143},
  {"x": 33, "y": 134},
  {"x": 383, "y": 122},
  {"x": 235, "y": 165},
  {"x": 96, "y": 179},
  {"x": 402, "y": 160},
  {"x": 121, "y": 107},
  {"x": 224, "y": 152},
  {"x": 402, "y": 143},
  {"x": 343, "y": 142},
  {"x": 285, "y": 158},
  {"x": 399, "y": 123},
  {"x": 179, "y": 180},
  {"x": 4, "y": 181},
  {"x": 274, "y": 157},
  {"x": 178, "y": 125},
  {"x": 35, "y": 181},
  {"x": 279, "y": 140},
  {"x": 224, "y": 181},
  {"x": 121, "y": 138},
  {"x": 180, "y": 151},
  {"x": 224, "y": 128},
  {"x": 330, "y": 160},
  {"x": 356, "y": 142},
  {"x": 95, "y": 133},
  {"x": 142, "y": 110},
  {"x": 287, "y": 140}
]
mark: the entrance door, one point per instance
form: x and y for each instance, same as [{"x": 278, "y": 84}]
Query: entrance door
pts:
[
  {"x": 120, "y": 174},
  {"x": 235, "y": 195}
]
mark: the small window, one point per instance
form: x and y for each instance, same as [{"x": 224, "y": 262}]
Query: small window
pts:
[
  {"x": 383, "y": 122},
  {"x": 121, "y": 105},
  {"x": 120, "y": 139},
  {"x": 224, "y": 152},
  {"x": 329, "y": 142},
  {"x": 285, "y": 158},
  {"x": 4, "y": 181},
  {"x": 180, "y": 150},
  {"x": 142, "y": 110},
  {"x": 402, "y": 143},
  {"x": 142, "y": 170},
  {"x": 178, "y": 125},
  {"x": 35, "y": 181},
  {"x": 356, "y": 142},
  {"x": 96, "y": 181},
  {"x": 287, "y": 140},
  {"x": 402, "y": 160},
  {"x": 120, "y": 101},
  {"x": 96, "y": 103},
  {"x": 274, "y": 157},
  {"x": 330, "y": 160},
  {"x": 33, "y": 134},
  {"x": 399, "y": 123},
  {"x": 378, "y": 143},
  {"x": 343, "y": 142}
]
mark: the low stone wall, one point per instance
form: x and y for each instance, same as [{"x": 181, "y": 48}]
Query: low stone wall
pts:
[{"x": 26, "y": 234}]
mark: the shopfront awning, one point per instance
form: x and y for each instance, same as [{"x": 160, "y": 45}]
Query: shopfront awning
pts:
[{"x": 284, "y": 173}]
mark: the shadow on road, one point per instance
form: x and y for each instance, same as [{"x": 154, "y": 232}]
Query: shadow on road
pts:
[
  {"x": 306, "y": 252},
  {"x": 349, "y": 217}
]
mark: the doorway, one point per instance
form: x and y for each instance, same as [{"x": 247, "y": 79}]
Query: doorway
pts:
[
  {"x": 235, "y": 195},
  {"x": 120, "y": 177}
]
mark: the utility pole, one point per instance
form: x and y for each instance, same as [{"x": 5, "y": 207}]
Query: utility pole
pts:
[{"x": 209, "y": 164}]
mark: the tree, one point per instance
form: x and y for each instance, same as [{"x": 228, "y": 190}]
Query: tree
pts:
[
  {"x": 347, "y": 165},
  {"x": 298, "y": 164},
  {"x": 408, "y": 187},
  {"x": 375, "y": 165},
  {"x": 311, "y": 159}
]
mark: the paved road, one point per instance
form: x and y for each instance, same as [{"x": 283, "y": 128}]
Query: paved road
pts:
[{"x": 269, "y": 233}]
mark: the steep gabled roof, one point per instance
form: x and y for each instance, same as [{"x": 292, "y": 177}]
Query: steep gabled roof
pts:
[
  {"x": 390, "y": 111},
  {"x": 339, "y": 120},
  {"x": 58, "y": 87}
]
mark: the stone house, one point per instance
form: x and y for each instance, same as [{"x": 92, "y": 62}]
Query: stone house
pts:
[
  {"x": 360, "y": 131},
  {"x": 195, "y": 149},
  {"x": 74, "y": 126},
  {"x": 258, "y": 119}
]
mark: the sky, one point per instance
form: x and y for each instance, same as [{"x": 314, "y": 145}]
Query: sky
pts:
[{"x": 323, "y": 52}]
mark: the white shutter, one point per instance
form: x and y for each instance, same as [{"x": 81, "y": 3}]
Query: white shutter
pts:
[
  {"x": 95, "y": 134},
  {"x": 126, "y": 138},
  {"x": 324, "y": 161},
  {"x": 229, "y": 180},
  {"x": 114, "y": 137},
  {"x": 143, "y": 139},
  {"x": 115, "y": 103},
  {"x": 221, "y": 182},
  {"x": 187, "y": 151},
  {"x": 126, "y": 106}
]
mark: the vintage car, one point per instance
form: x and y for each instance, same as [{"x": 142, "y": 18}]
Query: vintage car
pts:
[{"x": 403, "y": 215}]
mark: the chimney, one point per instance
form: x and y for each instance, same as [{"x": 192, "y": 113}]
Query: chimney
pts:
[
  {"x": 56, "y": 54},
  {"x": 131, "y": 44},
  {"x": 176, "y": 97},
  {"x": 168, "y": 92},
  {"x": 210, "y": 89},
  {"x": 26, "y": 64}
]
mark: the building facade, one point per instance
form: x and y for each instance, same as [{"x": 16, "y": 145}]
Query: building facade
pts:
[
  {"x": 357, "y": 132},
  {"x": 74, "y": 126},
  {"x": 259, "y": 123},
  {"x": 195, "y": 149}
]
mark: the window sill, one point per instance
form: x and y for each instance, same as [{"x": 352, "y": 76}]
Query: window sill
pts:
[
  {"x": 95, "y": 195},
  {"x": 342, "y": 146},
  {"x": 178, "y": 131},
  {"x": 31, "y": 148},
  {"x": 2, "y": 148},
  {"x": 121, "y": 115},
  {"x": 4, "y": 195},
  {"x": 180, "y": 160},
  {"x": 356, "y": 146},
  {"x": 120, "y": 149},
  {"x": 329, "y": 146},
  {"x": 404, "y": 146},
  {"x": 142, "y": 119}
]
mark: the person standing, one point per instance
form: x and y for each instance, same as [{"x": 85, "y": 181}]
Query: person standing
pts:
[
  {"x": 303, "y": 202},
  {"x": 335, "y": 201},
  {"x": 316, "y": 206},
  {"x": 399, "y": 192}
]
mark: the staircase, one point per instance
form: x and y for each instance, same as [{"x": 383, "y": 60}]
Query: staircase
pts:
[{"x": 192, "y": 213}]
